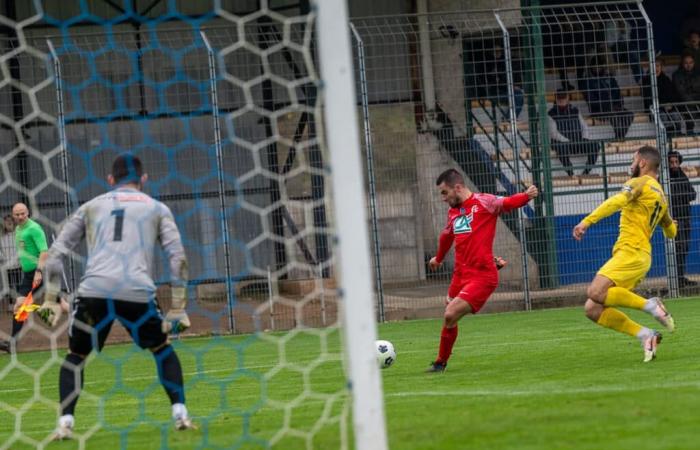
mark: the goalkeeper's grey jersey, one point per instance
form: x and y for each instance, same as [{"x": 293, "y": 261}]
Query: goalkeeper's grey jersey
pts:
[{"x": 121, "y": 229}]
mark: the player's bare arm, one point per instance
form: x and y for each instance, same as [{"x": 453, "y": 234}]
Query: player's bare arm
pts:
[{"x": 580, "y": 230}]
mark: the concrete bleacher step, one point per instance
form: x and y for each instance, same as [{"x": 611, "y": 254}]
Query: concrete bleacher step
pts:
[
  {"x": 574, "y": 96},
  {"x": 595, "y": 179},
  {"x": 629, "y": 146},
  {"x": 504, "y": 126},
  {"x": 611, "y": 148},
  {"x": 639, "y": 117},
  {"x": 686, "y": 143}
]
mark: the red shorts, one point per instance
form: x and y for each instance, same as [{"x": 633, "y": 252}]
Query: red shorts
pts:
[{"x": 474, "y": 288}]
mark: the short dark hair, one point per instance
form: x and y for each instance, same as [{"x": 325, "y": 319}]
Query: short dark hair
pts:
[
  {"x": 450, "y": 177},
  {"x": 127, "y": 168},
  {"x": 675, "y": 154},
  {"x": 650, "y": 155}
]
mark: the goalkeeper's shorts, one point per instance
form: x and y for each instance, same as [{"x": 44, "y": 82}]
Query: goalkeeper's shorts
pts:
[
  {"x": 627, "y": 267},
  {"x": 92, "y": 318}
]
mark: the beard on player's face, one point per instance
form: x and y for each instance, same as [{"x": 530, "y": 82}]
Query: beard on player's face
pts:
[
  {"x": 636, "y": 171},
  {"x": 454, "y": 199}
]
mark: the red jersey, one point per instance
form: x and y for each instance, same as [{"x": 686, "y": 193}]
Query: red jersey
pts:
[{"x": 472, "y": 227}]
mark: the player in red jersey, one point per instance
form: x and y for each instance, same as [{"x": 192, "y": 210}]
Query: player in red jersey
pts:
[{"x": 471, "y": 225}]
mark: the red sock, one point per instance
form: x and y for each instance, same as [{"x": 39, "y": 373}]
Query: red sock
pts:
[{"x": 447, "y": 341}]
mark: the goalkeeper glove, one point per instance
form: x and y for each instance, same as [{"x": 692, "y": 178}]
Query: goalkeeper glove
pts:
[
  {"x": 50, "y": 311},
  {"x": 176, "y": 320}
]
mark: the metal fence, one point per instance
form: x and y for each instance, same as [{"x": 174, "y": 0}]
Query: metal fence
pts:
[{"x": 560, "y": 96}]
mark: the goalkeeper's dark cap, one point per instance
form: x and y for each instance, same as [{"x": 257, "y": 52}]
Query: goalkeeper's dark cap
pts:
[{"x": 127, "y": 168}]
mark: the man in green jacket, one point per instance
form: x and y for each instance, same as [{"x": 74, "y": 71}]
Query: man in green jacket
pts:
[{"x": 32, "y": 251}]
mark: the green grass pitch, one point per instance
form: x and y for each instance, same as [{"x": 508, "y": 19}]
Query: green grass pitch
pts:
[{"x": 540, "y": 380}]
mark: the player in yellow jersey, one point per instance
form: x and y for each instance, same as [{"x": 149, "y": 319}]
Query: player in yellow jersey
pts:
[{"x": 643, "y": 206}]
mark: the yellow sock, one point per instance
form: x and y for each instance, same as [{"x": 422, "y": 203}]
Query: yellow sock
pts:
[
  {"x": 618, "y": 321},
  {"x": 618, "y": 296}
]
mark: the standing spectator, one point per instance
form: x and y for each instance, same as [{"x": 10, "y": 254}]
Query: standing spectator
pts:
[
  {"x": 604, "y": 98},
  {"x": 682, "y": 194},
  {"x": 10, "y": 261},
  {"x": 569, "y": 134},
  {"x": 563, "y": 47},
  {"x": 687, "y": 82},
  {"x": 691, "y": 21},
  {"x": 692, "y": 44},
  {"x": 494, "y": 83},
  {"x": 668, "y": 95},
  {"x": 622, "y": 48},
  {"x": 31, "y": 248}
]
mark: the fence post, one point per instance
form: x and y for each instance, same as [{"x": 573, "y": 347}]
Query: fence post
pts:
[
  {"x": 661, "y": 143},
  {"x": 370, "y": 172},
  {"x": 548, "y": 262},
  {"x": 516, "y": 156},
  {"x": 220, "y": 176},
  {"x": 64, "y": 147}
]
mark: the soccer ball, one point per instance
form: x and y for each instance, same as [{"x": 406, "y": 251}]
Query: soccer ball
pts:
[{"x": 386, "y": 355}]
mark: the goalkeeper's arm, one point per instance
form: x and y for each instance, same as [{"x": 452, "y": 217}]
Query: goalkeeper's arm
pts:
[
  {"x": 53, "y": 307},
  {"x": 176, "y": 319},
  {"x": 71, "y": 234}
]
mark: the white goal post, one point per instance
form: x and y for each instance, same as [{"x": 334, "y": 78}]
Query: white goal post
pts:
[{"x": 342, "y": 137}]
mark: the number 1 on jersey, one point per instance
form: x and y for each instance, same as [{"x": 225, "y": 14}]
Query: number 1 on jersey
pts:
[{"x": 118, "y": 223}]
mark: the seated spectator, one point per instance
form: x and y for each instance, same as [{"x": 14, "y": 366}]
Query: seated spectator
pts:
[
  {"x": 687, "y": 82},
  {"x": 668, "y": 95},
  {"x": 568, "y": 132},
  {"x": 603, "y": 96}
]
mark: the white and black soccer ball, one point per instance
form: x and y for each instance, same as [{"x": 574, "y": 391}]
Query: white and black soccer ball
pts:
[{"x": 386, "y": 355}]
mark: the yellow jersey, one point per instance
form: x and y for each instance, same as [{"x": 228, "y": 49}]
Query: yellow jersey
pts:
[{"x": 643, "y": 206}]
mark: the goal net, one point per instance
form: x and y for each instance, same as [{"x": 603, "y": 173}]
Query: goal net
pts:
[{"x": 239, "y": 111}]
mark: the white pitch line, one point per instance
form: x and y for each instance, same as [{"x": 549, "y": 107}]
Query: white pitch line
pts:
[{"x": 536, "y": 392}]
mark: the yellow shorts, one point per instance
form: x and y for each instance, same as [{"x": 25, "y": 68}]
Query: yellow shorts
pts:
[{"x": 627, "y": 267}]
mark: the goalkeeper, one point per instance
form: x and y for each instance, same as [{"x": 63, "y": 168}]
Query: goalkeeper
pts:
[{"x": 121, "y": 228}]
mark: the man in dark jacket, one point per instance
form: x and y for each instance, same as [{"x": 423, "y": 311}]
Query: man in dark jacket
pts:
[
  {"x": 687, "y": 82},
  {"x": 668, "y": 95},
  {"x": 567, "y": 134},
  {"x": 682, "y": 193}
]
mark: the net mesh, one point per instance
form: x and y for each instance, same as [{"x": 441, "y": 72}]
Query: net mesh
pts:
[{"x": 221, "y": 104}]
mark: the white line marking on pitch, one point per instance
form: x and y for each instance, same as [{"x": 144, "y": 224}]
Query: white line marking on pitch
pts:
[{"x": 531, "y": 392}]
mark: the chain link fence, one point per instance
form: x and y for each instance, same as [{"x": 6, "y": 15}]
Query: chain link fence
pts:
[{"x": 559, "y": 96}]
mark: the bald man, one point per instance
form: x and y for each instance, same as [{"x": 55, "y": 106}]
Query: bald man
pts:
[{"x": 32, "y": 251}]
